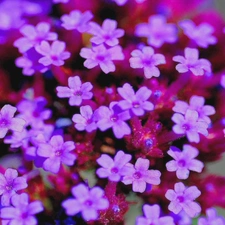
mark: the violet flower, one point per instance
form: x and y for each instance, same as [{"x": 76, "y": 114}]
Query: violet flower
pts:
[
  {"x": 139, "y": 175},
  {"x": 191, "y": 62},
  {"x": 152, "y": 216},
  {"x": 201, "y": 34},
  {"x": 87, "y": 201},
  {"x": 10, "y": 183},
  {"x": 34, "y": 35},
  {"x": 84, "y": 120},
  {"x": 21, "y": 212},
  {"x": 157, "y": 31},
  {"x": 147, "y": 60},
  {"x": 107, "y": 34},
  {"x": 102, "y": 56},
  {"x": 76, "y": 92},
  {"x": 188, "y": 124},
  {"x": 8, "y": 122},
  {"x": 54, "y": 54},
  {"x": 212, "y": 218},
  {"x": 182, "y": 198},
  {"x": 60, "y": 1},
  {"x": 113, "y": 117},
  {"x": 56, "y": 152},
  {"x": 120, "y": 2},
  {"x": 136, "y": 102},
  {"x": 184, "y": 161},
  {"x": 77, "y": 20},
  {"x": 113, "y": 169}
]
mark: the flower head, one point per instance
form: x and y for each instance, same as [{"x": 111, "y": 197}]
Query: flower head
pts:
[{"x": 213, "y": 218}]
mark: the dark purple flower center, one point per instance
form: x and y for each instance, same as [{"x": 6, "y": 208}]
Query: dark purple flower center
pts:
[
  {"x": 181, "y": 198},
  {"x": 137, "y": 175},
  {"x": 186, "y": 127},
  {"x": 9, "y": 187},
  {"x": 4, "y": 122},
  {"x": 78, "y": 93},
  {"x": 54, "y": 57},
  {"x": 114, "y": 170},
  {"x": 58, "y": 153},
  {"x": 114, "y": 118},
  {"x": 182, "y": 163},
  {"x": 88, "y": 203},
  {"x": 100, "y": 57},
  {"x": 136, "y": 104}
]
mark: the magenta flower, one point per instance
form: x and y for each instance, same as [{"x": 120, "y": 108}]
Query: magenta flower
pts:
[
  {"x": 84, "y": 120},
  {"x": 34, "y": 35},
  {"x": 10, "y": 183},
  {"x": 201, "y": 34},
  {"x": 8, "y": 122},
  {"x": 152, "y": 216},
  {"x": 184, "y": 161},
  {"x": 157, "y": 31},
  {"x": 107, "y": 34},
  {"x": 192, "y": 62},
  {"x": 182, "y": 198},
  {"x": 137, "y": 102},
  {"x": 21, "y": 212},
  {"x": 195, "y": 103},
  {"x": 53, "y": 54},
  {"x": 147, "y": 60},
  {"x": 189, "y": 125},
  {"x": 113, "y": 117},
  {"x": 113, "y": 169},
  {"x": 76, "y": 91},
  {"x": 77, "y": 20},
  {"x": 139, "y": 175},
  {"x": 56, "y": 152},
  {"x": 213, "y": 218},
  {"x": 86, "y": 201},
  {"x": 100, "y": 55}
]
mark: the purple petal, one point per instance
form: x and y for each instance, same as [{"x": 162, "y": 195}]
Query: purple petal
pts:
[
  {"x": 52, "y": 164},
  {"x": 45, "y": 150},
  {"x": 11, "y": 174},
  {"x": 89, "y": 214},
  {"x": 182, "y": 173},
  {"x": 17, "y": 124},
  {"x": 105, "y": 161},
  {"x": 120, "y": 129},
  {"x": 151, "y": 212},
  {"x": 35, "y": 207},
  {"x": 81, "y": 192},
  {"x": 71, "y": 206},
  {"x": 139, "y": 186},
  {"x": 195, "y": 165},
  {"x": 192, "y": 209},
  {"x": 19, "y": 183},
  {"x": 142, "y": 164},
  {"x": 143, "y": 94}
]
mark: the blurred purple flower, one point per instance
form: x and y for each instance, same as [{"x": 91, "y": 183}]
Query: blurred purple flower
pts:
[
  {"x": 120, "y": 2},
  {"x": 60, "y": 1},
  {"x": 213, "y": 218}
]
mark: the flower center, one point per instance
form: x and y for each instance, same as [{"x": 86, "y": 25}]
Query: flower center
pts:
[
  {"x": 88, "y": 203},
  {"x": 78, "y": 93},
  {"x": 58, "y": 153},
  {"x": 114, "y": 118},
  {"x": 4, "y": 122},
  {"x": 136, "y": 104},
  {"x": 137, "y": 175},
  {"x": 182, "y": 163},
  {"x": 180, "y": 198},
  {"x": 186, "y": 127},
  {"x": 9, "y": 187},
  {"x": 114, "y": 170}
]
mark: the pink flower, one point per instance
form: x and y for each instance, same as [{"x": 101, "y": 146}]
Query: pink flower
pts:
[
  {"x": 53, "y": 54},
  {"x": 147, "y": 60},
  {"x": 212, "y": 218},
  {"x": 139, "y": 175}
]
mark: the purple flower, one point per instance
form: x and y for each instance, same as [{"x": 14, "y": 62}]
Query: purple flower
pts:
[
  {"x": 184, "y": 161},
  {"x": 212, "y": 219},
  {"x": 137, "y": 102},
  {"x": 21, "y": 212},
  {"x": 84, "y": 120},
  {"x": 152, "y": 216},
  {"x": 102, "y": 56},
  {"x": 222, "y": 81},
  {"x": 189, "y": 125},
  {"x": 147, "y": 60},
  {"x": 86, "y": 201},
  {"x": 33, "y": 36},
  {"x": 8, "y": 122},
  {"x": 157, "y": 31},
  {"x": 139, "y": 175},
  {"x": 76, "y": 91},
  {"x": 113, "y": 169},
  {"x": 113, "y": 117},
  {"x": 201, "y": 34},
  {"x": 182, "y": 198},
  {"x": 53, "y": 54},
  {"x": 77, "y": 20},
  {"x": 107, "y": 34},
  {"x": 195, "y": 103},
  {"x": 120, "y": 2},
  {"x": 56, "y": 151},
  {"x": 192, "y": 62},
  {"x": 10, "y": 183},
  {"x": 60, "y": 1}
]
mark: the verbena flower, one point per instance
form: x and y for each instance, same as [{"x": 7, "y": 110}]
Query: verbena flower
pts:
[
  {"x": 21, "y": 212},
  {"x": 53, "y": 54},
  {"x": 184, "y": 161},
  {"x": 107, "y": 34},
  {"x": 87, "y": 201},
  {"x": 148, "y": 60},
  {"x": 136, "y": 102},
  {"x": 56, "y": 152},
  {"x": 157, "y": 31},
  {"x": 152, "y": 216},
  {"x": 102, "y": 56},
  {"x": 212, "y": 218},
  {"x": 191, "y": 62},
  {"x": 139, "y": 175},
  {"x": 182, "y": 198},
  {"x": 8, "y": 122},
  {"x": 84, "y": 120},
  {"x": 76, "y": 20},
  {"x": 10, "y": 183},
  {"x": 202, "y": 34},
  {"x": 76, "y": 92},
  {"x": 113, "y": 169}
]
